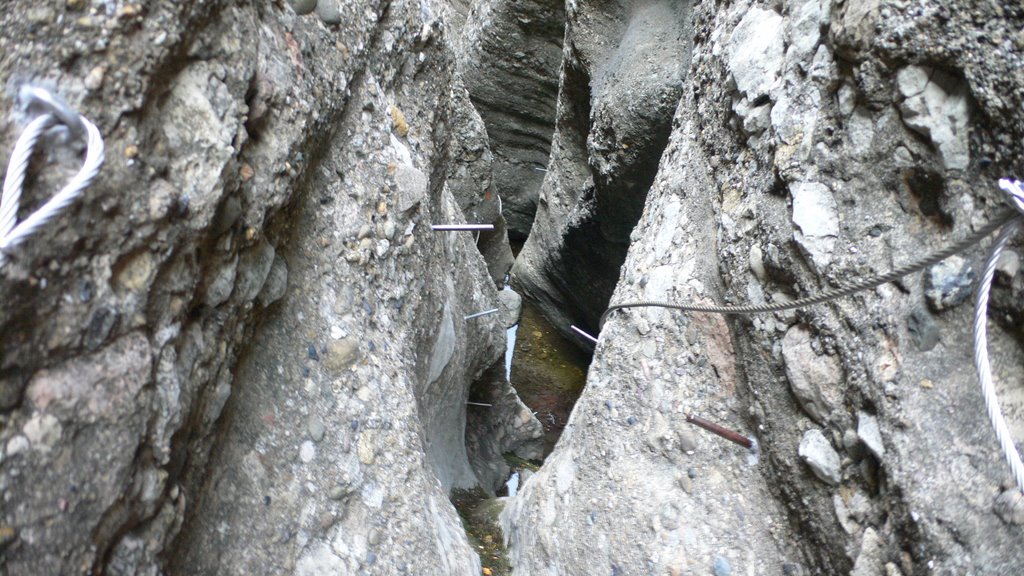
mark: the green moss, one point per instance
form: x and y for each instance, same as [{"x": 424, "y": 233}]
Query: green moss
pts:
[
  {"x": 480, "y": 518},
  {"x": 548, "y": 372},
  {"x": 517, "y": 463}
]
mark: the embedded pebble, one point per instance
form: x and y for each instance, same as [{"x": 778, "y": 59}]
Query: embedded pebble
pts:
[
  {"x": 948, "y": 283},
  {"x": 1008, "y": 263},
  {"x": 302, "y": 7},
  {"x": 924, "y": 331},
  {"x": 722, "y": 567},
  {"x": 366, "y": 451},
  {"x": 7, "y": 536},
  {"x": 43, "y": 431},
  {"x": 818, "y": 453},
  {"x": 316, "y": 428},
  {"x": 869, "y": 434},
  {"x": 342, "y": 354},
  {"x": 338, "y": 491},
  {"x": 329, "y": 11},
  {"x": 17, "y": 445},
  {"x": 307, "y": 451},
  {"x": 1009, "y": 506},
  {"x": 275, "y": 284}
]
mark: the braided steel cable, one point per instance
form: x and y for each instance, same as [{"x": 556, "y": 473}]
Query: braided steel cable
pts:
[
  {"x": 12, "y": 235},
  {"x": 981, "y": 361},
  {"x": 835, "y": 293},
  {"x": 1010, "y": 222}
]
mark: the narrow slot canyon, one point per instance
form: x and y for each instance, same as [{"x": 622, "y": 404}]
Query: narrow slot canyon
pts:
[{"x": 264, "y": 341}]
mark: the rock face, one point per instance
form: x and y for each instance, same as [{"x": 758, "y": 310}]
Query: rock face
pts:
[
  {"x": 808, "y": 148},
  {"x": 509, "y": 59},
  {"x": 621, "y": 79},
  {"x": 244, "y": 351}
]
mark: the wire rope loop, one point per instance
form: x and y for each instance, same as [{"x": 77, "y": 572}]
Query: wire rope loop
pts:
[
  {"x": 981, "y": 360},
  {"x": 48, "y": 103},
  {"x": 12, "y": 233},
  {"x": 1015, "y": 188}
]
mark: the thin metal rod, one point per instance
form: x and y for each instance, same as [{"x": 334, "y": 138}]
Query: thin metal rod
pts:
[
  {"x": 730, "y": 435},
  {"x": 479, "y": 404},
  {"x": 584, "y": 334},
  {"x": 479, "y": 314},
  {"x": 461, "y": 227}
]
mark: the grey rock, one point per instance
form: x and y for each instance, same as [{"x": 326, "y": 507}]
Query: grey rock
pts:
[
  {"x": 330, "y": 11},
  {"x": 804, "y": 30},
  {"x": 223, "y": 282},
  {"x": 275, "y": 284},
  {"x": 816, "y": 217},
  {"x": 411, "y": 185},
  {"x": 444, "y": 345},
  {"x": 511, "y": 307},
  {"x": 869, "y": 434},
  {"x": 604, "y": 155},
  {"x": 924, "y": 331},
  {"x": 814, "y": 379},
  {"x": 107, "y": 328},
  {"x": 869, "y": 560},
  {"x": 722, "y": 567},
  {"x": 948, "y": 283},
  {"x": 254, "y": 268},
  {"x": 509, "y": 61},
  {"x": 755, "y": 53},
  {"x": 936, "y": 105},
  {"x": 302, "y": 7},
  {"x": 1009, "y": 506},
  {"x": 816, "y": 451}
]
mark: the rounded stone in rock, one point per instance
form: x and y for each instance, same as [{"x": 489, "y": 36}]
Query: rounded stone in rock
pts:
[
  {"x": 307, "y": 451},
  {"x": 1009, "y": 506},
  {"x": 329, "y": 11},
  {"x": 948, "y": 283},
  {"x": 316, "y": 428},
  {"x": 302, "y": 6},
  {"x": 924, "y": 331},
  {"x": 722, "y": 567},
  {"x": 818, "y": 453}
]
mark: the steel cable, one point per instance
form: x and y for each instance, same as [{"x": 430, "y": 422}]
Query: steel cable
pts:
[
  {"x": 12, "y": 234},
  {"x": 1010, "y": 221}
]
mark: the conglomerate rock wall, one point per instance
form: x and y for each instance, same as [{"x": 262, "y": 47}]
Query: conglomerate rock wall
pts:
[
  {"x": 244, "y": 351},
  {"x": 815, "y": 142}
]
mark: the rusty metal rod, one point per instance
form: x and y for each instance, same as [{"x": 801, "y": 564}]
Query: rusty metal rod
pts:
[{"x": 730, "y": 435}]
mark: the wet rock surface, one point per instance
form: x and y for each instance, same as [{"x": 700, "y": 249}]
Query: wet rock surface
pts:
[
  {"x": 604, "y": 155},
  {"x": 799, "y": 158},
  {"x": 236, "y": 386},
  {"x": 245, "y": 352},
  {"x": 509, "y": 57}
]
